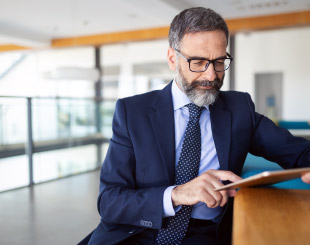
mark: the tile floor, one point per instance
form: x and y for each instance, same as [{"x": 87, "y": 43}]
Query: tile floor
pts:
[{"x": 57, "y": 212}]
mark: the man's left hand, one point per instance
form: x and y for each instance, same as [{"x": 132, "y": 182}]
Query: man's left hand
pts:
[{"x": 306, "y": 178}]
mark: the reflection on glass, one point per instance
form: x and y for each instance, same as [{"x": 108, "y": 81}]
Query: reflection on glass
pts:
[
  {"x": 63, "y": 118},
  {"x": 107, "y": 111},
  {"x": 14, "y": 172},
  {"x": 13, "y": 121},
  {"x": 60, "y": 163}
]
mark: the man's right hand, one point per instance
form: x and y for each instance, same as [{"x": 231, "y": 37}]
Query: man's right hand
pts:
[{"x": 201, "y": 189}]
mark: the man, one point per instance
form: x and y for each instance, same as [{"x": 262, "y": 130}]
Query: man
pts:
[{"x": 170, "y": 149}]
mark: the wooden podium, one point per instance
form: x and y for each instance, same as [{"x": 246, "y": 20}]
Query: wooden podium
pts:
[{"x": 271, "y": 216}]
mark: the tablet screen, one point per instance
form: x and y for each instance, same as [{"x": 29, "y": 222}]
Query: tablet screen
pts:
[{"x": 266, "y": 178}]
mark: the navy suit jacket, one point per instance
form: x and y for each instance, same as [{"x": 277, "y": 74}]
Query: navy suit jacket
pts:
[{"x": 140, "y": 162}]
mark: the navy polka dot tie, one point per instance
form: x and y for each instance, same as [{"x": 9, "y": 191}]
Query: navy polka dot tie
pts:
[{"x": 187, "y": 169}]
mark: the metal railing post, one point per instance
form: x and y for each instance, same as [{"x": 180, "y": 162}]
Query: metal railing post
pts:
[
  {"x": 98, "y": 97},
  {"x": 232, "y": 85},
  {"x": 29, "y": 148}
]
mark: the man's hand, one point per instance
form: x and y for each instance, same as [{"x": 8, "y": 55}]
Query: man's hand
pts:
[
  {"x": 201, "y": 189},
  {"x": 306, "y": 178}
]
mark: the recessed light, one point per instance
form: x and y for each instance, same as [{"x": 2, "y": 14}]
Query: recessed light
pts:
[
  {"x": 132, "y": 16},
  {"x": 235, "y": 2},
  {"x": 241, "y": 8}
]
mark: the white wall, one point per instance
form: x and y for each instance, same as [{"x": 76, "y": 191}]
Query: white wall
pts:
[{"x": 286, "y": 51}]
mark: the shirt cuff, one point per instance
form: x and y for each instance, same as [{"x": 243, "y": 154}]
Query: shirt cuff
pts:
[{"x": 169, "y": 210}]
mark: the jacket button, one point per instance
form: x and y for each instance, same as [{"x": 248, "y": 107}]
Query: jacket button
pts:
[
  {"x": 146, "y": 223},
  {"x": 132, "y": 231}
]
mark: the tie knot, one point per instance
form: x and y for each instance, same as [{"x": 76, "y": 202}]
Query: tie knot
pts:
[{"x": 194, "y": 112}]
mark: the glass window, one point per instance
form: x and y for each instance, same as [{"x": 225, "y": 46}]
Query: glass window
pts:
[
  {"x": 60, "y": 163},
  {"x": 13, "y": 111},
  {"x": 13, "y": 135},
  {"x": 14, "y": 172},
  {"x": 63, "y": 118}
]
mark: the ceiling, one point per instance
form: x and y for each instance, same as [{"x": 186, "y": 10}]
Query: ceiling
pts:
[{"x": 35, "y": 23}]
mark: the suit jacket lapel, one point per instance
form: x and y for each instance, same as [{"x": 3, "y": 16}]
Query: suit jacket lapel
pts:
[
  {"x": 162, "y": 119},
  {"x": 221, "y": 130}
]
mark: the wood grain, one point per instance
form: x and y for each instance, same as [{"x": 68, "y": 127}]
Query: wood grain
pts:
[{"x": 271, "y": 216}]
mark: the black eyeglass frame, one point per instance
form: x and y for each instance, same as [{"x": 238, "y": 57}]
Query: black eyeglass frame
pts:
[{"x": 209, "y": 61}]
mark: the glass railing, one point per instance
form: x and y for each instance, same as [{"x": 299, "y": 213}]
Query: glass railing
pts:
[
  {"x": 13, "y": 120},
  {"x": 43, "y": 139},
  {"x": 14, "y": 167},
  {"x": 62, "y": 118}
]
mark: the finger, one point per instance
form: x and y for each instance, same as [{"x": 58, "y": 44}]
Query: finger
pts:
[
  {"x": 208, "y": 196},
  {"x": 231, "y": 193},
  {"x": 217, "y": 196},
  {"x": 211, "y": 183},
  {"x": 226, "y": 175},
  {"x": 221, "y": 198},
  {"x": 223, "y": 193},
  {"x": 306, "y": 178},
  {"x": 224, "y": 199},
  {"x": 209, "y": 200}
]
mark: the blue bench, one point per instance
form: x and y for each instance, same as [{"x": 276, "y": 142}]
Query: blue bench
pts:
[
  {"x": 255, "y": 165},
  {"x": 294, "y": 124}
]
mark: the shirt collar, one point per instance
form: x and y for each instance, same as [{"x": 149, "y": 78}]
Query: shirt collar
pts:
[{"x": 179, "y": 99}]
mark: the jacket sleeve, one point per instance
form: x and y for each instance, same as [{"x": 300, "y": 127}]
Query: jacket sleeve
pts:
[
  {"x": 120, "y": 200},
  {"x": 277, "y": 144}
]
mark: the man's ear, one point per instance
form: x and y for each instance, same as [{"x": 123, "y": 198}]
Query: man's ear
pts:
[{"x": 171, "y": 56}]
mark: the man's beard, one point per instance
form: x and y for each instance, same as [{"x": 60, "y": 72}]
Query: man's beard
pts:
[{"x": 200, "y": 97}]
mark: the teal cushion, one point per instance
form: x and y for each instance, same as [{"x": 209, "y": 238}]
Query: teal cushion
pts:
[
  {"x": 255, "y": 165},
  {"x": 294, "y": 124}
]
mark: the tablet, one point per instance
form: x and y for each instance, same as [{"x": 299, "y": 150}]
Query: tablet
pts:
[{"x": 266, "y": 178}]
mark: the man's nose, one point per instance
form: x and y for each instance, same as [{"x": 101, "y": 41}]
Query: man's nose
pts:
[{"x": 210, "y": 73}]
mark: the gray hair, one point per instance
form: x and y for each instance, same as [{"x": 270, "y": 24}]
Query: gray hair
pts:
[{"x": 195, "y": 20}]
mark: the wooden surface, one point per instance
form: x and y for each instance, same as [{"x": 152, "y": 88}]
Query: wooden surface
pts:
[{"x": 271, "y": 216}]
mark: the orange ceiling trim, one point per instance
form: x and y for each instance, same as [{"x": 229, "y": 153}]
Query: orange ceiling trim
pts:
[
  {"x": 127, "y": 36},
  {"x": 11, "y": 47},
  {"x": 269, "y": 22},
  {"x": 277, "y": 21}
]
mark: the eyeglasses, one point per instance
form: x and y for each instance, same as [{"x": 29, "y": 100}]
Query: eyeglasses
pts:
[{"x": 202, "y": 64}]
